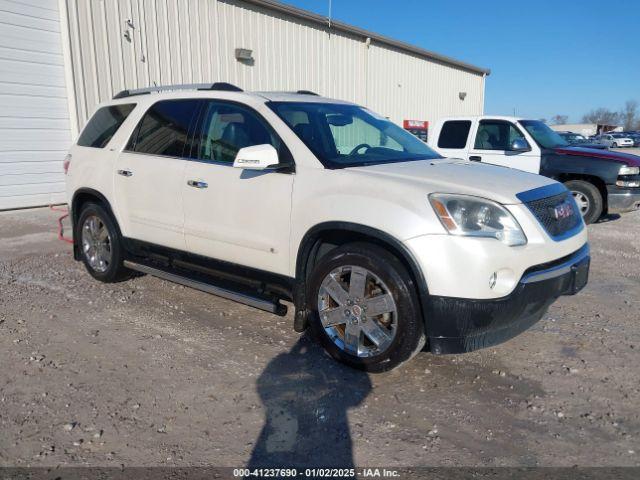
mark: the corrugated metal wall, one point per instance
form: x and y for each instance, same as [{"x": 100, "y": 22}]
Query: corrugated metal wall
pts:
[
  {"x": 402, "y": 86},
  {"x": 118, "y": 44}
]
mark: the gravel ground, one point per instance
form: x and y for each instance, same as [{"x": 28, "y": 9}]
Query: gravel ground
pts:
[{"x": 145, "y": 372}]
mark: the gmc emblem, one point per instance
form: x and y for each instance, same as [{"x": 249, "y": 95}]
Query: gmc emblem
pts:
[{"x": 562, "y": 211}]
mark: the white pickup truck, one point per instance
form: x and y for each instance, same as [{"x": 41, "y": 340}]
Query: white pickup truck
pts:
[{"x": 600, "y": 181}]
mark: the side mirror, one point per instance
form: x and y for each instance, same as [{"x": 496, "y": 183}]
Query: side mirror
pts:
[
  {"x": 520, "y": 145},
  {"x": 257, "y": 157}
]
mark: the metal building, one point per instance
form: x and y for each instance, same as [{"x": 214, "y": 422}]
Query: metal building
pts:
[
  {"x": 587, "y": 129},
  {"x": 60, "y": 58}
]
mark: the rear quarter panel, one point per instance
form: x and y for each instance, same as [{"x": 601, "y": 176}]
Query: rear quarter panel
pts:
[
  {"x": 95, "y": 168},
  {"x": 90, "y": 168}
]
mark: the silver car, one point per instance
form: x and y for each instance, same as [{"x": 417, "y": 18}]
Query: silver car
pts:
[{"x": 614, "y": 140}]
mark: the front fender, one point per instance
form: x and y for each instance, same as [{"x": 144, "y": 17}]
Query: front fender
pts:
[
  {"x": 396, "y": 208},
  {"x": 557, "y": 166}
]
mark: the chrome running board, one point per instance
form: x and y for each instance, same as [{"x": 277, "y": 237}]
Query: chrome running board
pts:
[{"x": 271, "y": 306}]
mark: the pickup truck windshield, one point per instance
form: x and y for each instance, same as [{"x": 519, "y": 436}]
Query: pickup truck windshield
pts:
[
  {"x": 543, "y": 135},
  {"x": 350, "y": 136}
]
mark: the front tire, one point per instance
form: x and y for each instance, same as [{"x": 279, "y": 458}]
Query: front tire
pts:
[
  {"x": 100, "y": 244},
  {"x": 588, "y": 198},
  {"x": 365, "y": 309},
  {"x": 614, "y": 145}
]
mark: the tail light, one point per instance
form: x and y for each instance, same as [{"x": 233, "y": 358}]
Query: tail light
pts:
[{"x": 66, "y": 163}]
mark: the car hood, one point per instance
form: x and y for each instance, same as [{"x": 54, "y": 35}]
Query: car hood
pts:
[
  {"x": 594, "y": 146},
  {"x": 452, "y": 175},
  {"x": 626, "y": 158}
]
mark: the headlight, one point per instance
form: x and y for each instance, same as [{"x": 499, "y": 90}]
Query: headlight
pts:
[
  {"x": 629, "y": 170},
  {"x": 477, "y": 217}
]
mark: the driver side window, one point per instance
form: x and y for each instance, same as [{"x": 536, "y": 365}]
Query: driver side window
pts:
[
  {"x": 358, "y": 132},
  {"x": 496, "y": 135},
  {"x": 226, "y": 128}
]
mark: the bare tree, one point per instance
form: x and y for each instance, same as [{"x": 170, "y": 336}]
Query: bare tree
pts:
[
  {"x": 629, "y": 115},
  {"x": 559, "y": 119},
  {"x": 603, "y": 116}
]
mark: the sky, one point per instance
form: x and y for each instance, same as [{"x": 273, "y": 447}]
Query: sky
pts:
[{"x": 562, "y": 57}]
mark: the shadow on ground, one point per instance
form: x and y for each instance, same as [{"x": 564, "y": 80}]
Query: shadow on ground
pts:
[
  {"x": 610, "y": 217},
  {"x": 306, "y": 396}
]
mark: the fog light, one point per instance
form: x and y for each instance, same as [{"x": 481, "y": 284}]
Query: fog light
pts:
[
  {"x": 628, "y": 184},
  {"x": 492, "y": 280}
]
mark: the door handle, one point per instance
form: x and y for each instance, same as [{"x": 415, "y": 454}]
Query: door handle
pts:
[
  {"x": 125, "y": 173},
  {"x": 475, "y": 158},
  {"x": 197, "y": 184}
]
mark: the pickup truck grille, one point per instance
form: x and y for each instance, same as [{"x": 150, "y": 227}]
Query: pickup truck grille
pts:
[{"x": 551, "y": 212}]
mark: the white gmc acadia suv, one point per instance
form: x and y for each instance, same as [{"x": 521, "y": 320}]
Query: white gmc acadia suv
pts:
[{"x": 383, "y": 246}]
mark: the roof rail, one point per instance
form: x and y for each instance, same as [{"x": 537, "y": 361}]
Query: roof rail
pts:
[
  {"x": 307, "y": 92},
  {"x": 222, "y": 86}
]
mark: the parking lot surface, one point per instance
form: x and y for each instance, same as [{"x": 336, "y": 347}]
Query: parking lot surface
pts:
[
  {"x": 145, "y": 372},
  {"x": 634, "y": 150}
]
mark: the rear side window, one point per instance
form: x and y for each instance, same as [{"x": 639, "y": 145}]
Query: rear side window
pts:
[
  {"x": 164, "y": 129},
  {"x": 104, "y": 124},
  {"x": 454, "y": 134}
]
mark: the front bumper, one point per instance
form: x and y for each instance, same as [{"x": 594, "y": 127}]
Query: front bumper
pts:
[
  {"x": 621, "y": 200},
  {"x": 458, "y": 325}
]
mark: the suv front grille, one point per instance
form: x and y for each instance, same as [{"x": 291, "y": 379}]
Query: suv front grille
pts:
[{"x": 545, "y": 210}]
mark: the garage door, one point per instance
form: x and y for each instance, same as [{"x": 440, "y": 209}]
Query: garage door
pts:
[{"x": 34, "y": 114}]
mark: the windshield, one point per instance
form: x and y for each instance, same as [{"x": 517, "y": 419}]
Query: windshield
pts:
[
  {"x": 543, "y": 135},
  {"x": 350, "y": 136}
]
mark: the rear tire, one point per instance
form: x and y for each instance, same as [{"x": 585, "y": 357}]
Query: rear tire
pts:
[
  {"x": 588, "y": 198},
  {"x": 384, "y": 340},
  {"x": 100, "y": 244}
]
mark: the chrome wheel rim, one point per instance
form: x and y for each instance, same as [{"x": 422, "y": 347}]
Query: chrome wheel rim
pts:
[
  {"x": 357, "y": 311},
  {"x": 96, "y": 243},
  {"x": 583, "y": 202}
]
